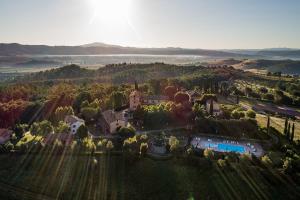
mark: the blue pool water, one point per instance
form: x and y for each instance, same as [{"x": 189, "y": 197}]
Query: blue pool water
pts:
[
  {"x": 226, "y": 147},
  {"x": 229, "y": 147}
]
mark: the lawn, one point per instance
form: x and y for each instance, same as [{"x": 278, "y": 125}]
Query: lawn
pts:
[
  {"x": 277, "y": 123},
  {"x": 114, "y": 177}
]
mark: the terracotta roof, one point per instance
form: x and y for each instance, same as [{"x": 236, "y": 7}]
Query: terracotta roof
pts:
[
  {"x": 111, "y": 116},
  {"x": 135, "y": 93},
  {"x": 70, "y": 119}
]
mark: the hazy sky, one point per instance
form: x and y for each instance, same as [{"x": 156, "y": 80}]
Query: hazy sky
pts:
[{"x": 213, "y": 24}]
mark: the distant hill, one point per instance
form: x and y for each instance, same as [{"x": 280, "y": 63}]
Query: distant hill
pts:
[
  {"x": 284, "y": 66},
  {"x": 15, "y": 49}
]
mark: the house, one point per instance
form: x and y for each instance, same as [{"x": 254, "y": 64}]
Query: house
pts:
[
  {"x": 136, "y": 98},
  {"x": 74, "y": 123},
  {"x": 113, "y": 120},
  {"x": 216, "y": 107},
  {"x": 5, "y": 135}
]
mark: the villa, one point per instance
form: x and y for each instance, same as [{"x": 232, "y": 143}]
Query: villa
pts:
[
  {"x": 136, "y": 98},
  {"x": 113, "y": 120},
  {"x": 74, "y": 123}
]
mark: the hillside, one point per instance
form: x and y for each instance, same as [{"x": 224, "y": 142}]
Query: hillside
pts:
[
  {"x": 98, "y": 49},
  {"x": 284, "y": 66}
]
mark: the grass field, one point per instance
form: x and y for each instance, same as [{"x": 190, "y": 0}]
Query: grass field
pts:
[
  {"x": 277, "y": 123},
  {"x": 114, "y": 177}
]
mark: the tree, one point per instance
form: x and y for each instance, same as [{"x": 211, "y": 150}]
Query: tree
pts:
[
  {"x": 268, "y": 125},
  {"x": 198, "y": 110},
  {"x": 62, "y": 127},
  {"x": 288, "y": 132},
  {"x": 136, "y": 86},
  {"x": 285, "y": 126},
  {"x": 266, "y": 160},
  {"x": 20, "y": 130},
  {"x": 211, "y": 107},
  {"x": 82, "y": 132},
  {"x": 62, "y": 112},
  {"x": 208, "y": 153},
  {"x": 143, "y": 149},
  {"x": 170, "y": 91},
  {"x": 293, "y": 132},
  {"x": 41, "y": 128},
  {"x": 117, "y": 99},
  {"x": 109, "y": 145},
  {"x": 237, "y": 99},
  {"x": 174, "y": 143},
  {"x": 81, "y": 97},
  {"x": 89, "y": 113},
  {"x": 181, "y": 97},
  {"x": 154, "y": 86},
  {"x": 287, "y": 165},
  {"x": 126, "y": 132}
]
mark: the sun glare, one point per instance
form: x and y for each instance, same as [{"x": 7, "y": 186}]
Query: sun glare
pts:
[{"x": 110, "y": 11}]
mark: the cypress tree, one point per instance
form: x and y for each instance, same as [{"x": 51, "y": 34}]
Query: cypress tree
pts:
[
  {"x": 211, "y": 107},
  {"x": 268, "y": 124},
  {"x": 285, "y": 126},
  {"x": 136, "y": 86},
  {"x": 293, "y": 132},
  {"x": 288, "y": 132}
]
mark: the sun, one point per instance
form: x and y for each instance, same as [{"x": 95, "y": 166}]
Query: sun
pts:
[{"x": 110, "y": 11}]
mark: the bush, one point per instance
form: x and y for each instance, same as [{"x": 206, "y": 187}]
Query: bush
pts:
[
  {"x": 251, "y": 114},
  {"x": 266, "y": 160},
  {"x": 143, "y": 149},
  {"x": 109, "y": 145},
  {"x": 236, "y": 114},
  {"x": 208, "y": 153},
  {"x": 222, "y": 163}
]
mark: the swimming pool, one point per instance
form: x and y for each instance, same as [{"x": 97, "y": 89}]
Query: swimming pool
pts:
[
  {"x": 226, "y": 147},
  {"x": 230, "y": 147}
]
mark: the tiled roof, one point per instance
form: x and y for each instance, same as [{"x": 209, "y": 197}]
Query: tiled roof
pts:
[
  {"x": 111, "y": 116},
  {"x": 70, "y": 119}
]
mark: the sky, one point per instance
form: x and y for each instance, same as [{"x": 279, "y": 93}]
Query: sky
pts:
[{"x": 207, "y": 24}]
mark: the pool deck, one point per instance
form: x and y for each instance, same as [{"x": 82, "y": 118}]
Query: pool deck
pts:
[{"x": 204, "y": 142}]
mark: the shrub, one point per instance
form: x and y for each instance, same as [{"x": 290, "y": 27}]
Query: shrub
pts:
[
  {"x": 208, "y": 153},
  {"x": 266, "y": 160},
  {"x": 143, "y": 149},
  {"x": 236, "y": 114},
  {"x": 222, "y": 163},
  {"x": 109, "y": 145},
  {"x": 174, "y": 143},
  {"x": 251, "y": 114}
]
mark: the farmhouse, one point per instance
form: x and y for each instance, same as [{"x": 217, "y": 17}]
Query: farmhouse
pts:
[
  {"x": 136, "y": 98},
  {"x": 74, "y": 123},
  {"x": 112, "y": 120}
]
